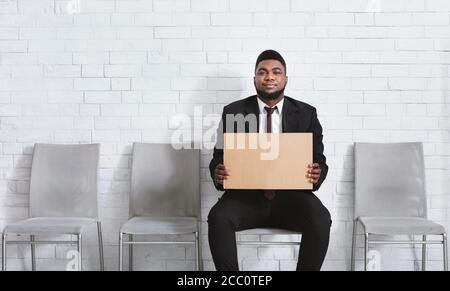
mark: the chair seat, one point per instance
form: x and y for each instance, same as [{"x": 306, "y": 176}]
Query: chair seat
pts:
[
  {"x": 266, "y": 231},
  {"x": 400, "y": 225},
  {"x": 160, "y": 225},
  {"x": 49, "y": 225}
]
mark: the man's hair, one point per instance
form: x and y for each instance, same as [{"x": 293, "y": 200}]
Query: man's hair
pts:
[{"x": 270, "y": 55}]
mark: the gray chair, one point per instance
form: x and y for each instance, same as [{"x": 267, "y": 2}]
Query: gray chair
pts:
[
  {"x": 164, "y": 197},
  {"x": 390, "y": 197},
  {"x": 63, "y": 197}
]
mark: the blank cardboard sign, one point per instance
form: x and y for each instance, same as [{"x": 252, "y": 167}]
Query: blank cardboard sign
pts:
[{"x": 267, "y": 160}]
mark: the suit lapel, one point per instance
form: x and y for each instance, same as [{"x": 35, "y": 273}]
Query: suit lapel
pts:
[
  {"x": 290, "y": 119},
  {"x": 252, "y": 108}
]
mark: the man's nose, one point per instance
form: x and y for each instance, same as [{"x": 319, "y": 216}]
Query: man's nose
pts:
[{"x": 270, "y": 76}]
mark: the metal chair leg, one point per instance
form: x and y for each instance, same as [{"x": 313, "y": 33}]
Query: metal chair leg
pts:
[
  {"x": 120, "y": 251},
  {"x": 355, "y": 225},
  {"x": 197, "y": 252},
  {"x": 199, "y": 242},
  {"x": 79, "y": 248},
  {"x": 33, "y": 253},
  {"x": 424, "y": 252},
  {"x": 366, "y": 249},
  {"x": 3, "y": 252},
  {"x": 100, "y": 246},
  {"x": 200, "y": 254},
  {"x": 130, "y": 254},
  {"x": 444, "y": 245}
]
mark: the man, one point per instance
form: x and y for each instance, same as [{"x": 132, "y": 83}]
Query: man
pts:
[{"x": 297, "y": 210}]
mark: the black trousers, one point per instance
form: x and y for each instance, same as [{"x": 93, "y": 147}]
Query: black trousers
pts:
[{"x": 292, "y": 209}]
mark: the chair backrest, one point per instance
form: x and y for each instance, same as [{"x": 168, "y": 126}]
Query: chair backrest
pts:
[
  {"x": 389, "y": 180},
  {"x": 64, "y": 180},
  {"x": 164, "y": 181}
]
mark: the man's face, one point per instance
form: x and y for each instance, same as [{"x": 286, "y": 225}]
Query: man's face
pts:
[{"x": 270, "y": 77}]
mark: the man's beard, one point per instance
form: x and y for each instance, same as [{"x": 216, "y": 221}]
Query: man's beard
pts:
[{"x": 269, "y": 96}]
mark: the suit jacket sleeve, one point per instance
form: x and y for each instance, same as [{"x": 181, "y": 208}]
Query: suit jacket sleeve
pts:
[
  {"x": 218, "y": 152},
  {"x": 318, "y": 156}
]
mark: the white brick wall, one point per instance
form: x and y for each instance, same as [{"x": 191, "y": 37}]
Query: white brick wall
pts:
[{"x": 115, "y": 71}]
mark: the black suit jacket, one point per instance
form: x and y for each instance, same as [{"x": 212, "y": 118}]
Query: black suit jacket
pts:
[{"x": 296, "y": 117}]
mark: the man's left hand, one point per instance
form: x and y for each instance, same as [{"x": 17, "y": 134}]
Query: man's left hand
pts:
[{"x": 313, "y": 173}]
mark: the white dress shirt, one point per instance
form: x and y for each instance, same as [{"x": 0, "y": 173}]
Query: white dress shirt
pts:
[{"x": 276, "y": 117}]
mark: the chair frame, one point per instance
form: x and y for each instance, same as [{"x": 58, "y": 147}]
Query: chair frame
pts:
[
  {"x": 268, "y": 243},
  {"x": 287, "y": 243},
  {"x": 33, "y": 242},
  {"x": 132, "y": 242},
  {"x": 424, "y": 242}
]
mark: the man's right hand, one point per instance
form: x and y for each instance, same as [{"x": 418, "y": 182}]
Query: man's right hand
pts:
[{"x": 220, "y": 174}]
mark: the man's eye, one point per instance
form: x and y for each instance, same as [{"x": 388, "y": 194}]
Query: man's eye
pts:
[{"x": 277, "y": 72}]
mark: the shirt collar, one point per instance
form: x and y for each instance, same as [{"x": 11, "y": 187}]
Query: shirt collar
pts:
[{"x": 261, "y": 106}]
